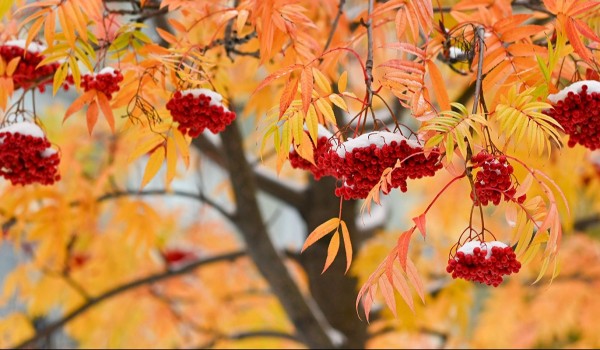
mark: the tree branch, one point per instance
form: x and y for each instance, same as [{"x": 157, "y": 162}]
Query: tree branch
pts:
[
  {"x": 334, "y": 24},
  {"x": 54, "y": 326},
  {"x": 308, "y": 321}
]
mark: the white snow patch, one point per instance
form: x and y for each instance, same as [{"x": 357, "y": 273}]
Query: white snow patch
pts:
[
  {"x": 592, "y": 86},
  {"x": 468, "y": 247},
  {"x": 48, "y": 152},
  {"x": 33, "y": 47},
  {"x": 377, "y": 138},
  {"x": 456, "y": 53},
  {"x": 215, "y": 98},
  {"x": 107, "y": 70},
  {"x": 594, "y": 158},
  {"x": 24, "y": 128}
]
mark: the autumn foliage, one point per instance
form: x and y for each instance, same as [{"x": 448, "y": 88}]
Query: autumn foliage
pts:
[{"x": 436, "y": 129}]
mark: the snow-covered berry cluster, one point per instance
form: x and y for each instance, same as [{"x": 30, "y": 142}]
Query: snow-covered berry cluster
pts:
[
  {"x": 577, "y": 109},
  {"x": 493, "y": 180},
  {"x": 26, "y": 155},
  {"x": 199, "y": 109},
  {"x": 318, "y": 169},
  {"x": 483, "y": 262},
  {"x": 27, "y": 72},
  {"x": 360, "y": 163},
  {"x": 106, "y": 81}
]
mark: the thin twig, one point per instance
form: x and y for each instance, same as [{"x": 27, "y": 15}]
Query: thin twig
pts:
[
  {"x": 335, "y": 24},
  {"x": 54, "y": 326},
  {"x": 369, "y": 61}
]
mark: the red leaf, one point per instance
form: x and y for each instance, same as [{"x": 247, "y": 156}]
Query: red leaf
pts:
[
  {"x": 420, "y": 222},
  {"x": 276, "y": 75},
  {"x": 403, "y": 242}
]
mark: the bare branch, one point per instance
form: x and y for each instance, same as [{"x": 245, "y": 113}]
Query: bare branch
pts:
[
  {"x": 54, "y": 326},
  {"x": 335, "y": 24}
]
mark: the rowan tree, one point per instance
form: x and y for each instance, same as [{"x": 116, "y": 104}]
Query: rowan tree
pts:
[{"x": 441, "y": 147}]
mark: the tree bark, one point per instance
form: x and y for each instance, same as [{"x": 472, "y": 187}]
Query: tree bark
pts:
[{"x": 311, "y": 329}]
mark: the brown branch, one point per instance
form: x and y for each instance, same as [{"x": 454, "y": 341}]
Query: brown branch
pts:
[
  {"x": 369, "y": 61},
  {"x": 334, "y": 24},
  {"x": 54, "y": 326},
  {"x": 309, "y": 321}
]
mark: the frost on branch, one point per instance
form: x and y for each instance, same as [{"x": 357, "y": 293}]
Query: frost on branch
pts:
[
  {"x": 199, "y": 109},
  {"x": 27, "y": 73},
  {"x": 483, "y": 262},
  {"x": 577, "y": 109},
  {"x": 493, "y": 180},
  {"x": 26, "y": 155},
  {"x": 360, "y": 163}
]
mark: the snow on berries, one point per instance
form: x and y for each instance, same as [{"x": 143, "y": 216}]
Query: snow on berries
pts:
[
  {"x": 318, "y": 169},
  {"x": 493, "y": 180},
  {"x": 27, "y": 73},
  {"x": 106, "y": 81},
  {"x": 483, "y": 262},
  {"x": 360, "y": 163},
  {"x": 198, "y": 109},
  {"x": 26, "y": 155},
  {"x": 577, "y": 109}
]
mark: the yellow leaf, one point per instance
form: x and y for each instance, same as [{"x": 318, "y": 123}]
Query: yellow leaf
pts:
[
  {"x": 326, "y": 110},
  {"x": 241, "y": 20},
  {"x": 320, "y": 232},
  {"x": 312, "y": 124},
  {"x": 12, "y": 66},
  {"x": 322, "y": 81},
  {"x": 347, "y": 245},
  {"x": 146, "y": 146},
  {"x": 155, "y": 162},
  {"x": 338, "y": 101},
  {"x": 332, "y": 250},
  {"x": 182, "y": 146},
  {"x": 171, "y": 159}
]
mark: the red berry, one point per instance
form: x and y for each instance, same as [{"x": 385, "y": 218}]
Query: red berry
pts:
[
  {"x": 107, "y": 81},
  {"x": 27, "y": 73},
  {"x": 493, "y": 180},
  {"x": 483, "y": 262},
  {"x": 26, "y": 155},
  {"x": 577, "y": 109},
  {"x": 199, "y": 109}
]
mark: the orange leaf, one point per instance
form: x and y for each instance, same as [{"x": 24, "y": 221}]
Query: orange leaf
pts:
[
  {"x": 289, "y": 92},
  {"x": 171, "y": 159},
  {"x": 306, "y": 88},
  {"x": 321, "y": 231},
  {"x": 92, "y": 116},
  {"x": 439, "y": 87},
  {"x": 276, "y": 75},
  {"x": 78, "y": 104},
  {"x": 388, "y": 293},
  {"x": 403, "y": 242},
  {"x": 106, "y": 110},
  {"x": 332, "y": 250},
  {"x": 155, "y": 162},
  {"x": 413, "y": 276},
  {"x": 403, "y": 288}
]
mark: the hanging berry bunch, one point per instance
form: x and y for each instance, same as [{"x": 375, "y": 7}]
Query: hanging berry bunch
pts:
[
  {"x": 28, "y": 73},
  {"x": 106, "y": 81},
  {"x": 360, "y": 163},
  {"x": 577, "y": 109},
  {"x": 318, "y": 169},
  {"x": 199, "y": 109},
  {"x": 483, "y": 262},
  {"x": 26, "y": 155},
  {"x": 493, "y": 180}
]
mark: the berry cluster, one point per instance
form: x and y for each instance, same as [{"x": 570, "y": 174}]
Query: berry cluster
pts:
[
  {"x": 26, "y": 155},
  {"x": 317, "y": 169},
  {"x": 360, "y": 163},
  {"x": 483, "y": 262},
  {"x": 493, "y": 180},
  {"x": 199, "y": 109},
  {"x": 577, "y": 109},
  {"x": 106, "y": 81},
  {"x": 27, "y": 72}
]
